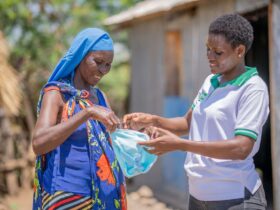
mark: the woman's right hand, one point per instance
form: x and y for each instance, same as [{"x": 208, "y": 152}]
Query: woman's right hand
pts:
[
  {"x": 138, "y": 120},
  {"x": 105, "y": 116}
]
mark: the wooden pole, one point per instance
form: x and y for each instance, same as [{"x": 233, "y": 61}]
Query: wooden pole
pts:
[
  {"x": 274, "y": 62},
  {"x": 11, "y": 178}
]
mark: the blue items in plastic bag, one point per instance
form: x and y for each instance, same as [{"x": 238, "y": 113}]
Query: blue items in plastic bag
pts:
[{"x": 133, "y": 158}]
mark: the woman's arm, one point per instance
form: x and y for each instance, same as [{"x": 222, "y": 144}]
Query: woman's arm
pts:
[
  {"x": 49, "y": 132},
  {"x": 237, "y": 148},
  {"x": 178, "y": 125}
]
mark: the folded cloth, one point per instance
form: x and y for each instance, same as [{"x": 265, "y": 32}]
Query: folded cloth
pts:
[{"x": 133, "y": 158}]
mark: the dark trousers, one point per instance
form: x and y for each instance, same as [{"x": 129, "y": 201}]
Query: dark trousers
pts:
[{"x": 249, "y": 202}]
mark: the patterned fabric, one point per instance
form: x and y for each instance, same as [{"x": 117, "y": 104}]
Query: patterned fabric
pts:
[
  {"x": 107, "y": 181},
  {"x": 65, "y": 201}
]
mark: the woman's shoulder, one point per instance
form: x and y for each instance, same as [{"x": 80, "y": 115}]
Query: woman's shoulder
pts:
[
  {"x": 51, "y": 93},
  {"x": 256, "y": 83}
]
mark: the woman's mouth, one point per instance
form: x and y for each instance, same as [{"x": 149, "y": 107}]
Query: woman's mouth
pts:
[
  {"x": 95, "y": 80},
  {"x": 212, "y": 65}
]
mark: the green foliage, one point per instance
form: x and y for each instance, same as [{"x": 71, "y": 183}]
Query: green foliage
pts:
[{"x": 39, "y": 32}]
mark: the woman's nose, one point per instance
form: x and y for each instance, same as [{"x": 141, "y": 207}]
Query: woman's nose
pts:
[
  {"x": 103, "y": 69},
  {"x": 210, "y": 55}
]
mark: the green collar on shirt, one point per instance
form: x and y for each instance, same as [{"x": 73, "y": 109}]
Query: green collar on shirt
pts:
[{"x": 238, "y": 81}]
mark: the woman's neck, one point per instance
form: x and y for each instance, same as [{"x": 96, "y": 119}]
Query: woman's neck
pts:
[
  {"x": 235, "y": 72},
  {"x": 79, "y": 82}
]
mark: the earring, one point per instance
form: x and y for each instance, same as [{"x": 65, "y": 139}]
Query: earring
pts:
[{"x": 239, "y": 56}]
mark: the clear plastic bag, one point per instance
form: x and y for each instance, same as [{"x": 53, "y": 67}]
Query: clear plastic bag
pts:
[{"x": 133, "y": 158}]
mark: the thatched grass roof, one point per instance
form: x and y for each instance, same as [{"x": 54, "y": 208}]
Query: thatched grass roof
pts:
[{"x": 10, "y": 90}]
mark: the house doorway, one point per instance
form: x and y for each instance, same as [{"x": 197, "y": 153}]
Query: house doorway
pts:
[{"x": 258, "y": 56}]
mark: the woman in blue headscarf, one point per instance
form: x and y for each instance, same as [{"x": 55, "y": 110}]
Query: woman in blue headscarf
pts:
[{"x": 76, "y": 166}]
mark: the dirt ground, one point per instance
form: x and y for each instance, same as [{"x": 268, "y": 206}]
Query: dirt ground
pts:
[{"x": 142, "y": 199}]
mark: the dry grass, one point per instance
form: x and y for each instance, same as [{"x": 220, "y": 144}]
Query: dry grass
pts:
[{"x": 10, "y": 88}]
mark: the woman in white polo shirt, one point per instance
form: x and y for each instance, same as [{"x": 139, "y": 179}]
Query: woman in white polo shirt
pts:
[{"x": 224, "y": 124}]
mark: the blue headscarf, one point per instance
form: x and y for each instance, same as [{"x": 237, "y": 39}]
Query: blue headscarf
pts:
[{"x": 90, "y": 39}]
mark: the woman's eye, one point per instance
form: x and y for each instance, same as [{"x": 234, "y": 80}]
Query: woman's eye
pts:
[
  {"x": 219, "y": 53},
  {"x": 98, "y": 62}
]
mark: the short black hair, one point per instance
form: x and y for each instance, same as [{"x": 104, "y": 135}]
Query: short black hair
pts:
[{"x": 235, "y": 28}]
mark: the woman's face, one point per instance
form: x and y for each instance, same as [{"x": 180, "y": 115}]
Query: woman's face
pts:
[
  {"x": 95, "y": 65},
  {"x": 222, "y": 57}
]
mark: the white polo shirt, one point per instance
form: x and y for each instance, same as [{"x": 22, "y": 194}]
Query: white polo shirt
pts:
[{"x": 220, "y": 112}]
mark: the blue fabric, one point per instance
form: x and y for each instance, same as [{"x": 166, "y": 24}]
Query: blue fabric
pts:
[
  {"x": 133, "y": 158},
  {"x": 85, "y": 164},
  {"x": 90, "y": 39},
  {"x": 67, "y": 167}
]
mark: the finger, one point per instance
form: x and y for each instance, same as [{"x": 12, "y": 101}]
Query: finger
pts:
[
  {"x": 127, "y": 120},
  {"x": 134, "y": 122},
  {"x": 149, "y": 143},
  {"x": 146, "y": 132},
  {"x": 114, "y": 127},
  {"x": 161, "y": 131},
  {"x": 154, "y": 134},
  {"x": 116, "y": 121},
  {"x": 125, "y": 126},
  {"x": 150, "y": 150},
  {"x": 109, "y": 129},
  {"x": 133, "y": 125},
  {"x": 142, "y": 120},
  {"x": 153, "y": 151},
  {"x": 109, "y": 125},
  {"x": 149, "y": 130},
  {"x": 158, "y": 134},
  {"x": 128, "y": 117}
]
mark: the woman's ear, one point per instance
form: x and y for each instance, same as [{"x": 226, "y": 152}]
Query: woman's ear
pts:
[{"x": 240, "y": 50}]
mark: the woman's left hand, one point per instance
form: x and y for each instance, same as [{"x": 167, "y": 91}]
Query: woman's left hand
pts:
[{"x": 162, "y": 141}]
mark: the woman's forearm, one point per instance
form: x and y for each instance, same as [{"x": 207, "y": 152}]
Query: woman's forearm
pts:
[
  {"x": 177, "y": 125},
  {"x": 47, "y": 139},
  {"x": 233, "y": 149}
]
